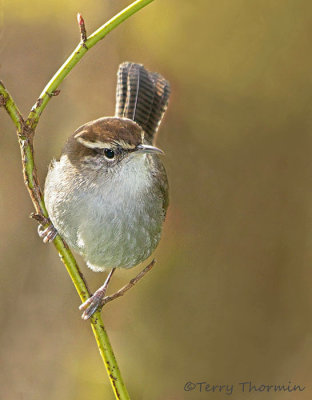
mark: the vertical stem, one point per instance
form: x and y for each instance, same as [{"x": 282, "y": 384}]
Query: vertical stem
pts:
[
  {"x": 97, "y": 325},
  {"x": 108, "y": 357}
]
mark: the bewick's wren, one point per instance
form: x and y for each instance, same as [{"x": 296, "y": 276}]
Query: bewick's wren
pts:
[{"x": 107, "y": 196}]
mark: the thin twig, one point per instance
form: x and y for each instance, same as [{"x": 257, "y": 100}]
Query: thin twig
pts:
[
  {"x": 129, "y": 285},
  {"x": 11, "y": 108},
  {"x": 76, "y": 55},
  {"x": 82, "y": 27},
  {"x": 25, "y": 137}
]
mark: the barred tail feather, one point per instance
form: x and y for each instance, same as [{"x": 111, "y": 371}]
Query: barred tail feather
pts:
[
  {"x": 121, "y": 90},
  {"x": 141, "y": 96}
]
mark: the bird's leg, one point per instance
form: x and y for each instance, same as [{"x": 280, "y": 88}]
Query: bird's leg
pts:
[
  {"x": 129, "y": 285},
  {"x": 98, "y": 300},
  {"x": 94, "y": 302}
]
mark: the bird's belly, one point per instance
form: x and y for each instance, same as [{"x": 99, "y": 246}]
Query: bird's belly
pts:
[{"x": 122, "y": 236}]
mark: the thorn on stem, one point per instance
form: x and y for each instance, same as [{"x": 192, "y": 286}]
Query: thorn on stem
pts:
[
  {"x": 55, "y": 92},
  {"x": 82, "y": 27},
  {"x": 2, "y": 101}
]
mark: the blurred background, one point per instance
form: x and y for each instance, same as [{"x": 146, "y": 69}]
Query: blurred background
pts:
[{"x": 230, "y": 299}]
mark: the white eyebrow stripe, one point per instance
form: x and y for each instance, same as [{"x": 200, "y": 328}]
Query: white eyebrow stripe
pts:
[
  {"x": 95, "y": 145},
  {"x": 104, "y": 145},
  {"x": 79, "y": 134},
  {"x": 124, "y": 144}
]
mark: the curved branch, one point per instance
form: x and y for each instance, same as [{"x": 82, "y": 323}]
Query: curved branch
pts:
[
  {"x": 76, "y": 55},
  {"x": 25, "y": 137}
]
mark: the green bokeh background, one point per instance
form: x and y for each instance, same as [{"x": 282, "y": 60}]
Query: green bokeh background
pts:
[{"x": 230, "y": 297}]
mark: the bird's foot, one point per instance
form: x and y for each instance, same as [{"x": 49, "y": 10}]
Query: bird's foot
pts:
[
  {"x": 47, "y": 234},
  {"x": 91, "y": 305},
  {"x": 95, "y": 301},
  {"x": 99, "y": 299}
]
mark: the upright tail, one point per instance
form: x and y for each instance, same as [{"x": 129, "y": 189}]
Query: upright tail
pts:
[{"x": 142, "y": 96}]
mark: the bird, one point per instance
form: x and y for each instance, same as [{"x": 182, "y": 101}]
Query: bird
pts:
[{"x": 107, "y": 195}]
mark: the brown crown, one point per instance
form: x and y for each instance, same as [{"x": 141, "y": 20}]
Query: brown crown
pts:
[{"x": 103, "y": 133}]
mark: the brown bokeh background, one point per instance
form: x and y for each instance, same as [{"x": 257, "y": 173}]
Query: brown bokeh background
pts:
[{"x": 230, "y": 298}]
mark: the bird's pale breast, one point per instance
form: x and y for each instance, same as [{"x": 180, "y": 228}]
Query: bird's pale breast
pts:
[{"x": 113, "y": 222}]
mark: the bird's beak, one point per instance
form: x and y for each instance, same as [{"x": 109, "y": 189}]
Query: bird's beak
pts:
[{"x": 145, "y": 148}]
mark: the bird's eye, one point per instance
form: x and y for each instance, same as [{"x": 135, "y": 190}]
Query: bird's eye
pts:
[{"x": 108, "y": 153}]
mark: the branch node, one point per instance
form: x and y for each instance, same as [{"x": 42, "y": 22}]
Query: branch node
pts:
[
  {"x": 38, "y": 102},
  {"x": 26, "y": 135},
  {"x": 82, "y": 27}
]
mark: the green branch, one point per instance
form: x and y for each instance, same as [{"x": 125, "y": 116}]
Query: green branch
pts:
[
  {"x": 97, "y": 325},
  {"x": 76, "y": 56},
  {"x": 7, "y": 101},
  {"x": 25, "y": 132}
]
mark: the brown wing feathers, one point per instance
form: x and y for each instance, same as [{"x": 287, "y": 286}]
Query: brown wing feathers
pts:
[{"x": 141, "y": 96}]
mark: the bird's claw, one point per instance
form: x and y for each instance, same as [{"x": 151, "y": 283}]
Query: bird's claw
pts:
[
  {"x": 90, "y": 306},
  {"x": 47, "y": 234},
  {"x": 97, "y": 300}
]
